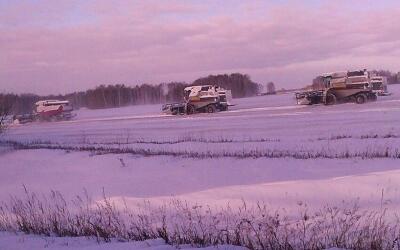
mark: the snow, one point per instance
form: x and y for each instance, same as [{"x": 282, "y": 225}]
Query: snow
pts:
[
  {"x": 202, "y": 181},
  {"x": 252, "y": 127},
  {"x": 9, "y": 241}
]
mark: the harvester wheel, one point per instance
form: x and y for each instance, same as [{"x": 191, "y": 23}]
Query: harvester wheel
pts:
[
  {"x": 190, "y": 109},
  {"x": 330, "y": 99},
  {"x": 372, "y": 97},
  {"x": 224, "y": 108},
  {"x": 361, "y": 98},
  {"x": 211, "y": 108}
]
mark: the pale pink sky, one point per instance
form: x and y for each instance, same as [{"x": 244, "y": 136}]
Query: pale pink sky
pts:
[{"x": 67, "y": 45}]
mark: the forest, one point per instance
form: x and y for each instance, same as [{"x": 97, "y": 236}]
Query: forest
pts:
[{"x": 119, "y": 95}]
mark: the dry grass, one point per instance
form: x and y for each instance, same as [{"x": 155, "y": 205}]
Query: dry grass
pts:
[
  {"x": 318, "y": 153},
  {"x": 178, "y": 223},
  {"x": 360, "y": 137}
]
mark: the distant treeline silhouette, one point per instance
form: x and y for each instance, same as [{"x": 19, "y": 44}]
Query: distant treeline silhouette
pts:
[
  {"x": 119, "y": 95},
  {"x": 240, "y": 85}
]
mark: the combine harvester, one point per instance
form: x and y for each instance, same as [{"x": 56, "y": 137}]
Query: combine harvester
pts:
[
  {"x": 201, "y": 99},
  {"x": 48, "y": 110},
  {"x": 351, "y": 86},
  {"x": 53, "y": 110}
]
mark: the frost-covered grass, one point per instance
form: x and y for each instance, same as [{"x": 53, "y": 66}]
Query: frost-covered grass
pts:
[
  {"x": 178, "y": 223},
  {"x": 329, "y": 152}
]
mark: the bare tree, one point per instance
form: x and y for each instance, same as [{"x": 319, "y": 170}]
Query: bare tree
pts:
[{"x": 5, "y": 110}]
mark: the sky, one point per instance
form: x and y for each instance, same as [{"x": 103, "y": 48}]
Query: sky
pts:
[{"x": 51, "y": 47}]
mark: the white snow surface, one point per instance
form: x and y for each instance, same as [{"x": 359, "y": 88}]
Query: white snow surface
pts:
[
  {"x": 10, "y": 241},
  {"x": 258, "y": 124}
]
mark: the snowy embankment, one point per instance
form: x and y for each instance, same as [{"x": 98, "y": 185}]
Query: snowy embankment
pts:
[
  {"x": 265, "y": 150},
  {"x": 10, "y": 241},
  {"x": 279, "y": 183}
]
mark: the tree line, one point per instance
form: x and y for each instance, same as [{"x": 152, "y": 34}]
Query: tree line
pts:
[
  {"x": 119, "y": 95},
  {"x": 240, "y": 85},
  {"x": 5, "y": 110}
]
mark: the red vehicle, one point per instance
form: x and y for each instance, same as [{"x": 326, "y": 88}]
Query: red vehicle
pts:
[{"x": 49, "y": 110}]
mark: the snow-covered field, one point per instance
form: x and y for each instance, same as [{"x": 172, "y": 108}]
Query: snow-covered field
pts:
[
  {"x": 9, "y": 241},
  {"x": 265, "y": 149}
]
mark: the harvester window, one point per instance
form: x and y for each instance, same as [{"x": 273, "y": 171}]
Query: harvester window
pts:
[
  {"x": 187, "y": 93},
  {"x": 204, "y": 88},
  {"x": 327, "y": 82}
]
